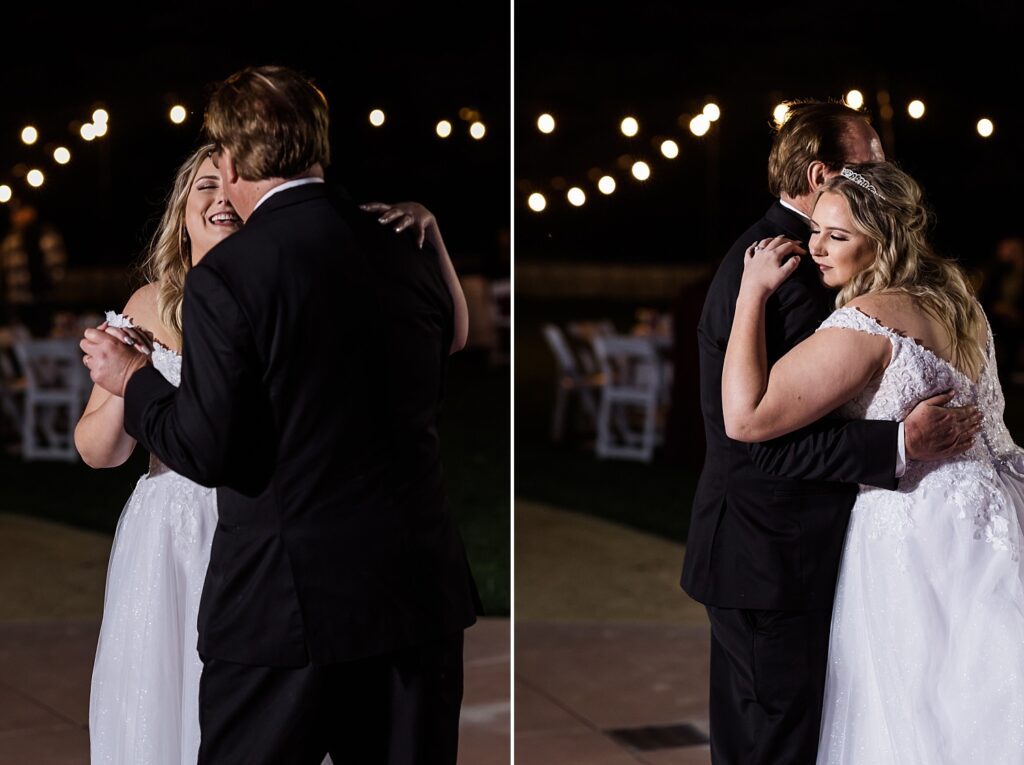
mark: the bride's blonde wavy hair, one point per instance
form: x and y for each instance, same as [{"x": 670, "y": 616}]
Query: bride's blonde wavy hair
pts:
[
  {"x": 169, "y": 255},
  {"x": 896, "y": 220}
]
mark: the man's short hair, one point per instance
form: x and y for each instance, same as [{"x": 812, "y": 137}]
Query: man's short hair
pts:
[
  {"x": 812, "y": 130},
  {"x": 272, "y": 120}
]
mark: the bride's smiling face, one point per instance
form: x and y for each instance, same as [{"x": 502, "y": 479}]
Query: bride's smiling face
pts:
[
  {"x": 838, "y": 249},
  {"x": 209, "y": 216}
]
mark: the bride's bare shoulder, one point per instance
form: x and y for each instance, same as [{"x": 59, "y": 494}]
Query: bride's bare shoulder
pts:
[
  {"x": 891, "y": 309},
  {"x": 142, "y": 309}
]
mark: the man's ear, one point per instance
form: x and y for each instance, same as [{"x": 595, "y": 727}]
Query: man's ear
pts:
[
  {"x": 816, "y": 175},
  {"x": 227, "y": 166}
]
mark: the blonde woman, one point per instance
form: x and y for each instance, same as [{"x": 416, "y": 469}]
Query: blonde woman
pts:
[
  {"x": 145, "y": 684},
  {"x": 927, "y": 640}
]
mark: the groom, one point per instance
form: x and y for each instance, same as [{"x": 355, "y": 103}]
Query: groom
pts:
[
  {"x": 315, "y": 347},
  {"x": 769, "y": 519}
]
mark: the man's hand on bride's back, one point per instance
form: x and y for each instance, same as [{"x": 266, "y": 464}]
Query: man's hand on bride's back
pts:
[
  {"x": 404, "y": 215},
  {"x": 933, "y": 431}
]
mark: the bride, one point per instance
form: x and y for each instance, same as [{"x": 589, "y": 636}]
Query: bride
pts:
[
  {"x": 143, "y": 707},
  {"x": 926, "y": 659}
]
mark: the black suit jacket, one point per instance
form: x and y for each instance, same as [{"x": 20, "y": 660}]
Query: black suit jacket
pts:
[
  {"x": 769, "y": 519},
  {"x": 315, "y": 348}
]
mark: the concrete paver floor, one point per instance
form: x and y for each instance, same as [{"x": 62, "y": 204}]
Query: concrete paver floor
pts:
[{"x": 51, "y": 597}]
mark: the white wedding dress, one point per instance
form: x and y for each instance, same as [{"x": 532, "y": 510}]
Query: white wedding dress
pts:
[
  {"x": 144, "y": 703},
  {"x": 926, "y": 660}
]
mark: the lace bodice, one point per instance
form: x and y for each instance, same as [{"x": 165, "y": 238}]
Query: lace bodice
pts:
[
  {"x": 968, "y": 481},
  {"x": 166, "y": 362}
]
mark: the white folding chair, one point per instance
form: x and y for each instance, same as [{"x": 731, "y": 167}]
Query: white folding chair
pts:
[
  {"x": 582, "y": 333},
  {"x": 57, "y": 387},
  {"x": 501, "y": 321},
  {"x": 627, "y": 419},
  {"x": 570, "y": 380}
]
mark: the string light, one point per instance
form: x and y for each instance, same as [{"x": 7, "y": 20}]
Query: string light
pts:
[
  {"x": 477, "y": 130},
  {"x": 5, "y": 194},
  {"x": 100, "y": 117},
  {"x": 712, "y": 112},
  {"x": 641, "y": 170},
  {"x": 854, "y": 99},
  {"x": 669, "y": 149},
  {"x": 606, "y": 185},
  {"x": 61, "y": 155},
  {"x": 916, "y": 109},
  {"x": 546, "y": 123},
  {"x": 88, "y": 131},
  {"x": 443, "y": 129},
  {"x": 629, "y": 127},
  {"x": 700, "y": 125},
  {"x": 985, "y": 127},
  {"x": 377, "y": 117},
  {"x": 537, "y": 202},
  {"x": 178, "y": 114},
  {"x": 35, "y": 178},
  {"x": 576, "y": 196},
  {"x": 29, "y": 135},
  {"x": 780, "y": 113}
]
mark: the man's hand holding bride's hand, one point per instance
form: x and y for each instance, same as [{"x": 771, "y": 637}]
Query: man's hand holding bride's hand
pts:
[
  {"x": 934, "y": 432},
  {"x": 765, "y": 266},
  {"x": 114, "y": 354},
  {"x": 405, "y": 215}
]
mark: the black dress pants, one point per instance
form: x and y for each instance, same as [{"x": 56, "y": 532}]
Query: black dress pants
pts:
[
  {"x": 396, "y": 709},
  {"x": 767, "y": 683}
]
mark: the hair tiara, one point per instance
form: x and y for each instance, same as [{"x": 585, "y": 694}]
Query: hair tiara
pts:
[{"x": 861, "y": 181}]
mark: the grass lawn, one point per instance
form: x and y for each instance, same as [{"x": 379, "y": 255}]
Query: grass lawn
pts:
[{"x": 475, "y": 438}]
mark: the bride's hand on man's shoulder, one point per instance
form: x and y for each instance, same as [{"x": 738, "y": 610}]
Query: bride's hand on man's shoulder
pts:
[
  {"x": 403, "y": 215},
  {"x": 768, "y": 263}
]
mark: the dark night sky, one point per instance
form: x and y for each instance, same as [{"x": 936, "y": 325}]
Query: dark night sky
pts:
[
  {"x": 418, "y": 64},
  {"x": 592, "y": 65}
]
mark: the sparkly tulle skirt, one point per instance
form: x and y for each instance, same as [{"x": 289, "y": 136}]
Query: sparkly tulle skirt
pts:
[
  {"x": 144, "y": 701},
  {"x": 926, "y": 660}
]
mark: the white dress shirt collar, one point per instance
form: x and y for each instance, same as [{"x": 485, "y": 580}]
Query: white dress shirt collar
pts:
[{"x": 284, "y": 187}]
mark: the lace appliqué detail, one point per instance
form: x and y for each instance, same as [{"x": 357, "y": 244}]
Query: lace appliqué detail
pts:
[
  {"x": 970, "y": 482},
  {"x": 165, "y": 361}
]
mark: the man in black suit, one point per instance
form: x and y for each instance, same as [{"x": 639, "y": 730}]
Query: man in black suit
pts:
[
  {"x": 769, "y": 519},
  {"x": 315, "y": 348}
]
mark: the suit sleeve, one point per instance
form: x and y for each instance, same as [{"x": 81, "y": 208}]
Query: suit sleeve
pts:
[
  {"x": 214, "y": 428},
  {"x": 854, "y": 451}
]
